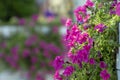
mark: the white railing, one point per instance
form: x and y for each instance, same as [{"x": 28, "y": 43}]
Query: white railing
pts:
[{"x": 118, "y": 57}]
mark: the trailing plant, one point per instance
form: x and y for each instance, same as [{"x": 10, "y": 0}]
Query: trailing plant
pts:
[{"x": 92, "y": 41}]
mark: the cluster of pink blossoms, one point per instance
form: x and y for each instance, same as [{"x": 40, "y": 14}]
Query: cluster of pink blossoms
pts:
[{"x": 80, "y": 43}]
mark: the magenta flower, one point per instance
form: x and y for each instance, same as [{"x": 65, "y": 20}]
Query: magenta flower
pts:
[
  {"x": 72, "y": 35},
  {"x": 86, "y": 18},
  {"x": 26, "y": 53},
  {"x": 92, "y": 61},
  {"x": 63, "y": 20},
  {"x": 83, "y": 55},
  {"x": 31, "y": 40},
  {"x": 90, "y": 40},
  {"x": 53, "y": 48},
  {"x": 89, "y": 3},
  {"x": 118, "y": 9},
  {"x": 58, "y": 62},
  {"x": 39, "y": 76},
  {"x": 14, "y": 50},
  {"x": 80, "y": 9},
  {"x": 57, "y": 76},
  {"x": 81, "y": 14},
  {"x": 86, "y": 27},
  {"x": 68, "y": 71},
  {"x": 79, "y": 18},
  {"x": 42, "y": 44},
  {"x": 22, "y": 21},
  {"x": 83, "y": 37},
  {"x": 112, "y": 12},
  {"x": 87, "y": 48},
  {"x": 34, "y": 60},
  {"x": 73, "y": 57},
  {"x": 103, "y": 64},
  {"x": 104, "y": 75},
  {"x": 35, "y": 17},
  {"x": 100, "y": 27},
  {"x": 68, "y": 22}
]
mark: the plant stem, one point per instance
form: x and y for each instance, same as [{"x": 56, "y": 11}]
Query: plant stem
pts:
[{"x": 93, "y": 73}]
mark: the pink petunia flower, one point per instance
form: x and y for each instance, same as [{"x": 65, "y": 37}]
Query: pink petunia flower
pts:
[
  {"x": 104, "y": 75},
  {"x": 118, "y": 9},
  {"x": 68, "y": 71},
  {"x": 57, "y": 76},
  {"x": 103, "y": 64},
  {"x": 68, "y": 22}
]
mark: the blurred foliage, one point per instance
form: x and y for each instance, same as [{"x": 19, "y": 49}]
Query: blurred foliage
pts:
[
  {"x": 19, "y": 8},
  {"x": 47, "y": 45}
]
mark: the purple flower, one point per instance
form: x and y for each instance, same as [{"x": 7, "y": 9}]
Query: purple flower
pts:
[
  {"x": 68, "y": 22},
  {"x": 72, "y": 35},
  {"x": 83, "y": 37},
  {"x": 14, "y": 50},
  {"x": 68, "y": 71},
  {"x": 79, "y": 9},
  {"x": 118, "y": 9},
  {"x": 87, "y": 48},
  {"x": 31, "y": 40},
  {"x": 26, "y": 53},
  {"x": 112, "y": 12},
  {"x": 42, "y": 44},
  {"x": 104, "y": 75},
  {"x": 86, "y": 27},
  {"x": 73, "y": 57},
  {"x": 79, "y": 18},
  {"x": 81, "y": 14},
  {"x": 89, "y": 3},
  {"x": 58, "y": 62},
  {"x": 83, "y": 54},
  {"x": 53, "y": 48},
  {"x": 34, "y": 17},
  {"x": 90, "y": 40},
  {"x": 34, "y": 60},
  {"x": 22, "y": 21},
  {"x": 92, "y": 61},
  {"x": 103, "y": 64},
  {"x": 100, "y": 27},
  {"x": 86, "y": 17},
  {"x": 114, "y": 3},
  {"x": 39, "y": 77},
  {"x": 63, "y": 20},
  {"x": 57, "y": 76}
]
